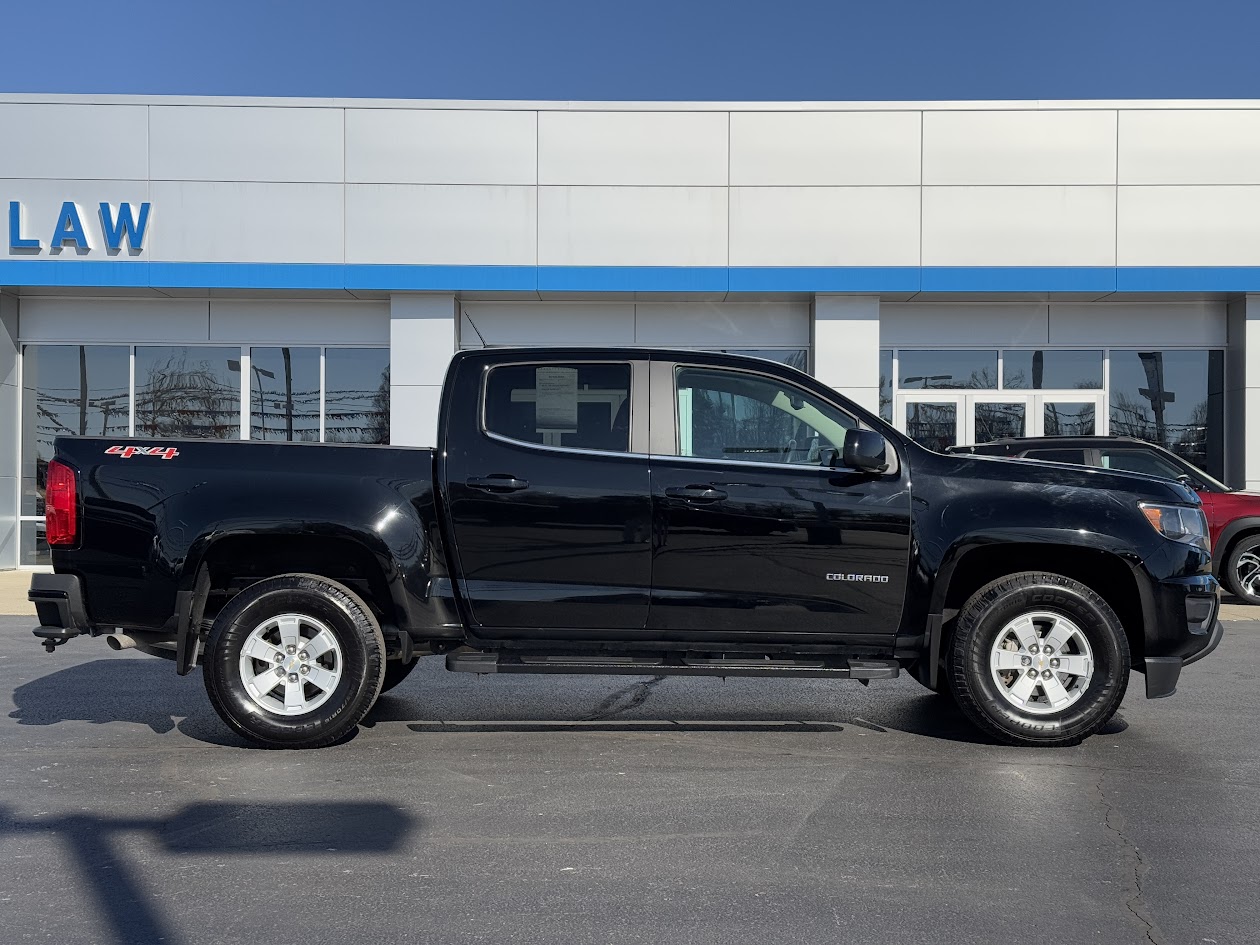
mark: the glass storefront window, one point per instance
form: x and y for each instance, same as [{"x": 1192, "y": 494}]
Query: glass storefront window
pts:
[
  {"x": 1067, "y": 419},
  {"x": 284, "y": 394},
  {"x": 356, "y": 395},
  {"x": 188, "y": 391},
  {"x": 69, "y": 389},
  {"x": 1173, "y": 398},
  {"x": 949, "y": 370},
  {"x": 1052, "y": 370}
]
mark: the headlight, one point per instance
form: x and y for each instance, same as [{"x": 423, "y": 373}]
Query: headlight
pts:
[{"x": 1179, "y": 523}]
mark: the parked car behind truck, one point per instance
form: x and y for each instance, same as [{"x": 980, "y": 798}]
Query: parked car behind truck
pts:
[
  {"x": 1233, "y": 514},
  {"x": 640, "y": 512}
]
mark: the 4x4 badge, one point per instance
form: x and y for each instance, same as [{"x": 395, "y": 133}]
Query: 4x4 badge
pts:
[{"x": 126, "y": 452}]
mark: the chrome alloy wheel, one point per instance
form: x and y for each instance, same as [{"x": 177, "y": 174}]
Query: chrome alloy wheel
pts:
[
  {"x": 290, "y": 664},
  {"x": 1247, "y": 573},
  {"x": 1041, "y": 662}
]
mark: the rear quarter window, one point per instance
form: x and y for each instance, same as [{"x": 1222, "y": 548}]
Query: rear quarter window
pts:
[{"x": 574, "y": 406}]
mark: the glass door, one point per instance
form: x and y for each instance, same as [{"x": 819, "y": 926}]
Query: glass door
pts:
[
  {"x": 941, "y": 419},
  {"x": 932, "y": 418},
  {"x": 1071, "y": 413}
]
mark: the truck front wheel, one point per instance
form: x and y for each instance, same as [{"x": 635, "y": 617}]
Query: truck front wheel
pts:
[
  {"x": 1038, "y": 659},
  {"x": 294, "y": 661}
]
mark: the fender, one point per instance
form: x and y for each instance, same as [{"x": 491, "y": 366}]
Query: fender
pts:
[
  {"x": 1230, "y": 532},
  {"x": 1045, "y": 537}
]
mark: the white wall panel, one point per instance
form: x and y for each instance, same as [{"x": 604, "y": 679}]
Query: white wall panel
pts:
[
  {"x": 722, "y": 324},
  {"x": 1168, "y": 324},
  {"x": 115, "y": 321},
  {"x": 824, "y": 226},
  {"x": 424, "y": 146},
  {"x": 246, "y": 143},
  {"x": 74, "y": 141},
  {"x": 963, "y": 324},
  {"x": 546, "y": 323},
  {"x": 421, "y": 337},
  {"x": 632, "y": 226},
  {"x": 8, "y": 344},
  {"x": 846, "y": 346},
  {"x": 824, "y": 148},
  {"x": 1189, "y": 226},
  {"x": 293, "y": 322},
  {"x": 1019, "y": 226},
  {"x": 413, "y": 414},
  {"x": 248, "y": 222},
  {"x": 41, "y": 204},
  {"x": 438, "y": 224},
  {"x": 1190, "y": 147},
  {"x": 1019, "y": 147},
  {"x": 641, "y": 148}
]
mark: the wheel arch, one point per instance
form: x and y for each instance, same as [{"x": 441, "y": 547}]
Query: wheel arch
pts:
[
  {"x": 233, "y": 561},
  {"x": 1231, "y": 534},
  {"x": 1108, "y": 574}
]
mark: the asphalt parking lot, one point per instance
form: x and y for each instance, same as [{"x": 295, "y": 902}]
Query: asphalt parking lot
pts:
[{"x": 620, "y": 810}]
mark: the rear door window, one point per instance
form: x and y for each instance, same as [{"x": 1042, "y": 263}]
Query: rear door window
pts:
[
  {"x": 573, "y": 406},
  {"x": 1076, "y": 457},
  {"x": 1139, "y": 460}
]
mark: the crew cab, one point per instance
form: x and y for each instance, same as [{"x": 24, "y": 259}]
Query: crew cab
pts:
[
  {"x": 1233, "y": 514},
  {"x": 636, "y": 512}
]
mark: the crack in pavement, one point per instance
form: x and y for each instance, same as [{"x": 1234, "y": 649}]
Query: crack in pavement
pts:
[
  {"x": 623, "y": 700},
  {"x": 1113, "y": 821}
]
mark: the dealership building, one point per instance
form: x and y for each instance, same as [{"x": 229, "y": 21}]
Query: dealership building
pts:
[{"x": 304, "y": 269}]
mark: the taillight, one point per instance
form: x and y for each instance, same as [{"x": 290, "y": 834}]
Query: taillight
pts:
[{"x": 61, "y": 505}]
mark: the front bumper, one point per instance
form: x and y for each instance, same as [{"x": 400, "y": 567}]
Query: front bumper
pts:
[
  {"x": 58, "y": 600},
  {"x": 1192, "y": 629}
]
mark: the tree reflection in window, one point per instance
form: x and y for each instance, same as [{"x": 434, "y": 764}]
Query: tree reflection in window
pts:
[{"x": 188, "y": 391}]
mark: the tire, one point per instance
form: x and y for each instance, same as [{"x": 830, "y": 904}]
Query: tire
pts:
[
  {"x": 325, "y": 682},
  {"x": 1014, "y": 701},
  {"x": 1242, "y": 571},
  {"x": 395, "y": 672}
]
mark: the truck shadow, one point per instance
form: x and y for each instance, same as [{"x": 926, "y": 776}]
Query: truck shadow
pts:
[
  {"x": 135, "y": 917},
  {"x": 147, "y": 692},
  {"x": 141, "y": 691}
]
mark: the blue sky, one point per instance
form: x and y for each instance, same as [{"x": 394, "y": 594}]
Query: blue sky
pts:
[{"x": 644, "y": 50}]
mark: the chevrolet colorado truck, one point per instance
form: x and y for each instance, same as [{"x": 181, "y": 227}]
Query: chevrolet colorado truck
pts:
[{"x": 627, "y": 511}]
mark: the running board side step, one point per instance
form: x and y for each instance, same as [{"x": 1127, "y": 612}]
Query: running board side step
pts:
[{"x": 467, "y": 660}]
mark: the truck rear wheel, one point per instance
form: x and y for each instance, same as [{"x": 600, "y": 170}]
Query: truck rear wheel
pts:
[
  {"x": 1038, "y": 659},
  {"x": 294, "y": 661}
]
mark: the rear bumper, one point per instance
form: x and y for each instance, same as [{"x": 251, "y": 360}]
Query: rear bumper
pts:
[{"x": 58, "y": 600}]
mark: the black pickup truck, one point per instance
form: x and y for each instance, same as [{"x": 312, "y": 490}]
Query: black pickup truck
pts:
[{"x": 631, "y": 511}]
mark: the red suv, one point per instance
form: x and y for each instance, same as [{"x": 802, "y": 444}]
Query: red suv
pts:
[{"x": 1233, "y": 516}]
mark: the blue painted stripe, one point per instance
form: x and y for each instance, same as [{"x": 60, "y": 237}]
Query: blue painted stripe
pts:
[
  {"x": 136, "y": 273},
  {"x": 1018, "y": 279},
  {"x": 824, "y": 279},
  {"x": 632, "y": 279}
]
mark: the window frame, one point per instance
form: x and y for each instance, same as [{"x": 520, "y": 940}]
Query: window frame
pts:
[
  {"x": 666, "y": 373},
  {"x": 637, "y": 397}
]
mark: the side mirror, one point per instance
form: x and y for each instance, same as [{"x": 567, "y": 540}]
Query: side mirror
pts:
[
  {"x": 865, "y": 450},
  {"x": 1191, "y": 483}
]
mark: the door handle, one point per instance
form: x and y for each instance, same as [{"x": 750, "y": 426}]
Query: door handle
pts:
[
  {"x": 695, "y": 493},
  {"x": 497, "y": 483}
]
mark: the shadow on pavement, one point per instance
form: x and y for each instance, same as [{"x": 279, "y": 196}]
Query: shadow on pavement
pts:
[
  {"x": 309, "y": 828},
  {"x": 142, "y": 691},
  {"x": 147, "y": 692}
]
